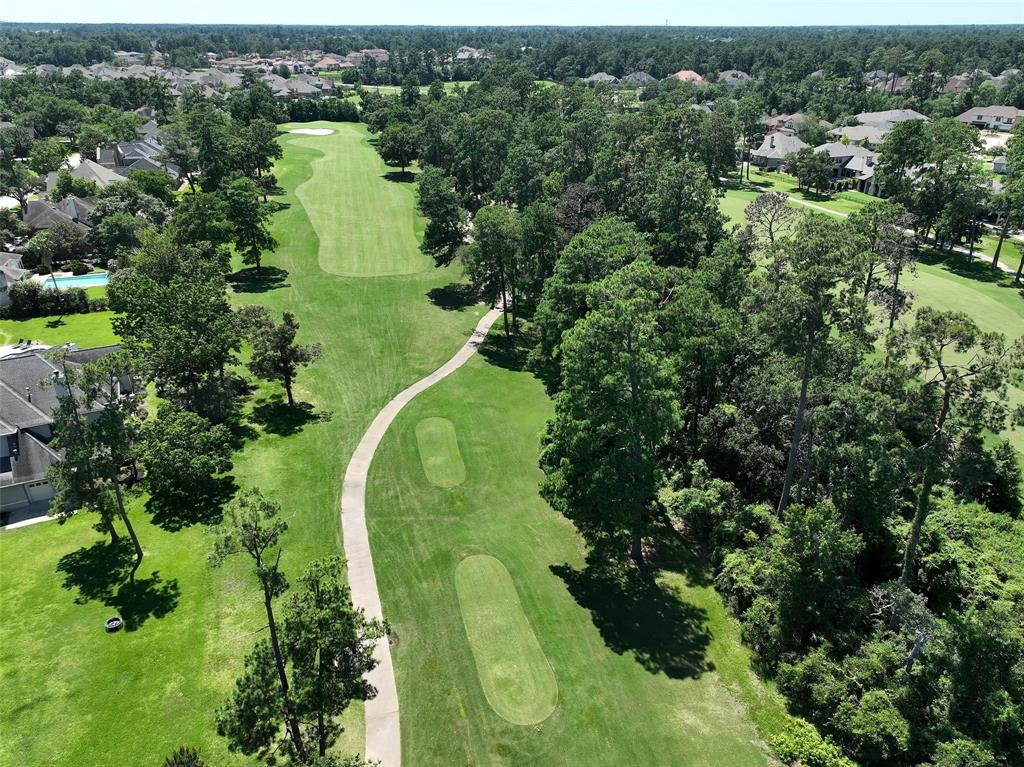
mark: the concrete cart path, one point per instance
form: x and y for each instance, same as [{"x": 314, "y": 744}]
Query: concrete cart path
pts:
[{"x": 383, "y": 735}]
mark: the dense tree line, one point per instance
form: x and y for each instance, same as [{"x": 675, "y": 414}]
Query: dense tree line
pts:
[{"x": 770, "y": 393}]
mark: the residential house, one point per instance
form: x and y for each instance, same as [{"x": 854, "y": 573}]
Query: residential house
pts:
[
  {"x": 850, "y": 161},
  {"x": 888, "y": 117},
  {"x": 733, "y": 78},
  {"x": 467, "y": 53},
  {"x": 11, "y": 271},
  {"x": 600, "y": 77},
  {"x": 90, "y": 171},
  {"x": 992, "y": 118},
  {"x": 26, "y": 422},
  {"x": 332, "y": 62},
  {"x": 687, "y": 76},
  {"x": 42, "y": 214},
  {"x": 128, "y": 57},
  {"x": 773, "y": 150},
  {"x": 788, "y": 123},
  {"x": 861, "y": 134},
  {"x": 638, "y": 80},
  {"x": 144, "y": 154}
]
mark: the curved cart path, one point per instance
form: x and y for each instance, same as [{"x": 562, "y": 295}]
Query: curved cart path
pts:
[{"x": 383, "y": 736}]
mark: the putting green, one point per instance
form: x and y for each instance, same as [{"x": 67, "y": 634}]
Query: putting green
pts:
[
  {"x": 514, "y": 672},
  {"x": 439, "y": 452},
  {"x": 367, "y": 224}
]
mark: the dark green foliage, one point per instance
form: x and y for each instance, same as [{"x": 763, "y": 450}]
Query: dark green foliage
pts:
[
  {"x": 184, "y": 757},
  {"x": 30, "y": 299}
]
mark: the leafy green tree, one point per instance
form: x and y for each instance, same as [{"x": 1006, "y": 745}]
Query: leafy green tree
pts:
[
  {"x": 117, "y": 232},
  {"x": 447, "y": 226},
  {"x": 47, "y": 155},
  {"x": 96, "y": 447},
  {"x": 493, "y": 259},
  {"x": 811, "y": 169},
  {"x": 248, "y": 217},
  {"x": 182, "y": 453},
  {"x": 275, "y": 355},
  {"x": 17, "y": 181},
  {"x": 251, "y": 719},
  {"x": 330, "y": 645},
  {"x": 174, "y": 320},
  {"x": 810, "y": 300},
  {"x": 947, "y": 397},
  {"x": 399, "y": 144},
  {"x": 410, "y": 93},
  {"x": 605, "y": 246},
  {"x": 68, "y": 185},
  {"x": 179, "y": 150},
  {"x": 616, "y": 410},
  {"x": 884, "y": 242},
  {"x": 200, "y": 220}
]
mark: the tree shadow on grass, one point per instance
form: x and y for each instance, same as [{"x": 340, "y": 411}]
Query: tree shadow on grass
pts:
[
  {"x": 639, "y": 615},
  {"x": 399, "y": 177},
  {"x": 250, "y": 281},
  {"x": 509, "y": 352},
  {"x": 205, "y": 506},
  {"x": 453, "y": 297},
  {"x": 57, "y": 323},
  {"x": 99, "y": 573},
  {"x": 979, "y": 269},
  {"x": 278, "y": 417}
]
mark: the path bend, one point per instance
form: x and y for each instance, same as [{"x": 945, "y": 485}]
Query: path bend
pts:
[{"x": 383, "y": 735}]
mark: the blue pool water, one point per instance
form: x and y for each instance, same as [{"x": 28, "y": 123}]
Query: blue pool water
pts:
[{"x": 81, "y": 281}]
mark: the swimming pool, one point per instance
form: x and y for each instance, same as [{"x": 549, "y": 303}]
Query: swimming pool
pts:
[{"x": 79, "y": 281}]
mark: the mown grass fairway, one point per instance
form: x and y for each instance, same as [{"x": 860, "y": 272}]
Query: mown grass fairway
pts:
[
  {"x": 439, "y": 452},
  {"x": 72, "y": 692},
  {"x": 367, "y": 229},
  {"x": 637, "y": 670},
  {"x": 514, "y": 672}
]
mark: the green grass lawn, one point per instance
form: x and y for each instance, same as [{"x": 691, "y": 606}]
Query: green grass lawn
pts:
[
  {"x": 92, "y": 329},
  {"x": 72, "y": 692}
]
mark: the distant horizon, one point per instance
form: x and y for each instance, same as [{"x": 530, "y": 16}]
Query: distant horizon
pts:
[{"x": 539, "y": 13}]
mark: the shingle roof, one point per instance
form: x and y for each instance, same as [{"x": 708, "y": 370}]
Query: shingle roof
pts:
[{"x": 778, "y": 145}]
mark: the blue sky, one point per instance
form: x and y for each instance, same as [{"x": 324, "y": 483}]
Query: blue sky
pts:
[{"x": 485, "y": 12}]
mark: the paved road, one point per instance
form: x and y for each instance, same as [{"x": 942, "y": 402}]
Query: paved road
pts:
[{"x": 383, "y": 734}]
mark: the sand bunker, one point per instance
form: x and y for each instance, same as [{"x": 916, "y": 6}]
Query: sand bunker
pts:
[{"x": 313, "y": 131}]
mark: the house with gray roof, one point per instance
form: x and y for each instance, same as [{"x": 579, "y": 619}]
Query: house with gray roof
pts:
[
  {"x": 773, "y": 150},
  {"x": 90, "y": 171},
  {"x": 850, "y": 161},
  {"x": 733, "y": 78},
  {"x": 888, "y": 117},
  {"x": 42, "y": 214},
  {"x": 30, "y": 386},
  {"x": 861, "y": 134},
  {"x": 999, "y": 118},
  {"x": 638, "y": 80},
  {"x": 600, "y": 77}
]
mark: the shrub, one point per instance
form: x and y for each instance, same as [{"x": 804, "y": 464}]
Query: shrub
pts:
[
  {"x": 79, "y": 267},
  {"x": 30, "y": 299},
  {"x": 800, "y": 742}
]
